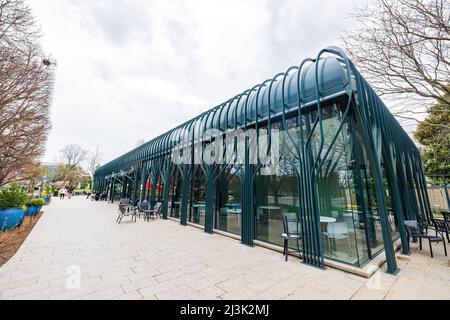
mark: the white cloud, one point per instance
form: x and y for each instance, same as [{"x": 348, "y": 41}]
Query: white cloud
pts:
[{"x": 133, "y": 69}]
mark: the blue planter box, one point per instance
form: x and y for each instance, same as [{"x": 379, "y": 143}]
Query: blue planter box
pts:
[
  {"x": 31, "y": 211},
  {"x": 10, "y": 218}
]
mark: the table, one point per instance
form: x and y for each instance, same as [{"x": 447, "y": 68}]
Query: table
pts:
[
  {"x": 274, "y": 226},
  {"x": 234, "y": 223},
  {"x": 268, "y": 208},
  {"x": 327, "y": 219},
  {"x": 347, "y": 215},
  {"x": 199, "y": 213},
  {"x": 174, "y": 210},
  {"x": 324, "y": 221}
]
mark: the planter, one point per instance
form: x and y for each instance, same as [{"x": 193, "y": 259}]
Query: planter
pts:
[
  {"x": 38, "y": 210},
  {"x": 45, "y": 199},
  {"x": 10, "y": 218},
  {"x": 31, "y": 211}
]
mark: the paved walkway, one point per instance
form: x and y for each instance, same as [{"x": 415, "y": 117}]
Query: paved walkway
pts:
[{"x": 77, "y": 251}]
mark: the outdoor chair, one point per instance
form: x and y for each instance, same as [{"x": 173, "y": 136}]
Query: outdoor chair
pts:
[
  {"x": 125, "y": 201},
  {"x": 424, "y": 223},
  {"x": 335, "y": 214},
  {"x": 337, "y": 231},
  {"x": 291, "y": 226},
  {"x": 441, "y": 225},
  {"x": 415, "y": 230},
  {"x": 125, "y": 212},
  {"x": 142, "y": 206},
  {"x": 151, "y": 213},
  {"x": 446, "y": 215}
]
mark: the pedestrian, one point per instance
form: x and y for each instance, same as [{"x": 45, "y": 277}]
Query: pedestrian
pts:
[
  {"x": 70, "y": 192},
  {"x": 62, "y": 193}
]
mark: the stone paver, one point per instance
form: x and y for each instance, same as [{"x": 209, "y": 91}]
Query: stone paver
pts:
[{"x": 77, "y": 251}]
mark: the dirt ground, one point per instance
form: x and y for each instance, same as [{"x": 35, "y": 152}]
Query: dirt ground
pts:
[{"x": 10, "y": 241}]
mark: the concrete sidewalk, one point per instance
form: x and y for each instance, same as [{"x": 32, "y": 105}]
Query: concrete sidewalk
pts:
[{"x": 77, "y": 251}]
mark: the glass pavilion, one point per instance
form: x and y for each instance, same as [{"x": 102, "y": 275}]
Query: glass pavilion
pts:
[{"x": 344, "y": 165}]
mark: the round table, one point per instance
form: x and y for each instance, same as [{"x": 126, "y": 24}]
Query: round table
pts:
[{"x": 327, "y": 219}]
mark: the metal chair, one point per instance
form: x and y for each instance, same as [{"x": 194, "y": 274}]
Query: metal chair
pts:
[
  {"x": 423, "y": 222},
  {"x": 415, "y": 230},
  {"x": 441, "y": 225},
  {"x": 446, "y": 215},
  {"x": 337, "y": 231},
  {"x": 142, "y": 206},
  {"x": 125, "y": 201},
  {"x": 125, "y": 212},
  {"x": 151, "y": 213},
  {"x": 335, "y": 214},
  {"x": 291, "y": 226}
]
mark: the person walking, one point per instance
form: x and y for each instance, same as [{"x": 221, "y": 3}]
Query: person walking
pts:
[
  {"x": 70, "y": 193},
  {"x": 62, "y": 193}
]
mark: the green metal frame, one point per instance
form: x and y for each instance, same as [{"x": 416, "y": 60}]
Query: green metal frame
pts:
[{"x": 298, "y": 91}]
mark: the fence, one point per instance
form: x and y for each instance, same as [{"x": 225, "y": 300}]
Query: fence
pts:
[{"x": 438, "y": 192}]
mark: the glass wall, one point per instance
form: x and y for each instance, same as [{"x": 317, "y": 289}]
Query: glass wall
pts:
[
  {"x": 276, "y": 194},
  {"x": 197, "y": 203},
  {"x": 159, "y": 189},
  {"x": 342, "y": 232},
  {"x": 338, "y": 187},
  {"x": 392, "y": 215},
  {"x": 276, "y": 188},
  {"x": 117, "y": 191},
  {"x": 229, "y": 201},
  {"x": 175, "y": 195},
  {"x": 349, "y": 218}
]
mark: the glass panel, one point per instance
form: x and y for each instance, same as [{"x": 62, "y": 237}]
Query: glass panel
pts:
[
  {"x": 229, "y": 202},
  {"x": 275, "y": 195},
  {"x": 198, "y": 198},
  {"x": 339, "y": 217},
  {"x": 117, "y": 191},
  {"x": 277, "y": 192},
  {"x": 392, "y": 216},
  {"x": 371, "y": 218},
  {"x": 175, "y": 195}
]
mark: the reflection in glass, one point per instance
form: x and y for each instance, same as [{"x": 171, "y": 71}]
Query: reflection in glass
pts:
[
  {"x": 175, "y": 195},
  {"x": 197, "y": 205},
  {"x": 229, "y": 201},
  {"x": 344, "y": 236}
]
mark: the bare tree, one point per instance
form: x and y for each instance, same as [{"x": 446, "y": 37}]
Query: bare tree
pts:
[
  {"x": 26, "y": 85},
  {"x": 94, "y": 162},
  {"x": 71, "y": 158},
  {"x": 403, "y": 49}
]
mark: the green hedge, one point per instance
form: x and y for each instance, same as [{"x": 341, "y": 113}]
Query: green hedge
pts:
[{"x": 12, "y": 197}]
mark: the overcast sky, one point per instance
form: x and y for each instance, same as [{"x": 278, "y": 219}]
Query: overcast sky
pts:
[{"x": 132, "y": 69}]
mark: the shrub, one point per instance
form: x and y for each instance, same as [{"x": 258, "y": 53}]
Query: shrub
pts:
[
  {"x": 12, "y": 197},
  {"x": 39, "y": 202},
  {"x": 35, "y": 202},
  {"x": 48, "y": 189}
]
